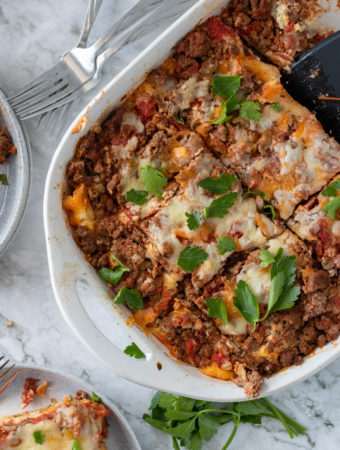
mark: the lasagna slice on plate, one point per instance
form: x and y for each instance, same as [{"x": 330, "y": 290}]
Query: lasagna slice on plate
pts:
[{"x": 70, "y": 424}]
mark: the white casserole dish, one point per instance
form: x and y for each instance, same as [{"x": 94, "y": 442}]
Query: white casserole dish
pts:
[{"x": 67, "y": 264}]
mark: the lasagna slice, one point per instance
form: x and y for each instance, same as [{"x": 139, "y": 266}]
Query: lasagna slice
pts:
[
  {"x": 6, "y": 145},
  {"x": 315, "y": 222},
  {"x": 279, "y": 29},
  {"x": 274, "y": 144},
  {"x": 169, "y": 231},
  {"x": 66, "y": 425}
]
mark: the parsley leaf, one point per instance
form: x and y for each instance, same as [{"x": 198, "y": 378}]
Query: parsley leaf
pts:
[
  {"x": 75, "y": 445},
  {"x": 250, "y": 110},
  {"x": 95, "y": 398},
  {"x": 219, "y": 207},
  {"x": 3, "y": 179},
  {"x": 225, "y": 244},
  {"x": 217, "y": 309},
  {"x": 130, "y": 297},
  {"x": 191, "y": 257},
  {"x": 39, "y": 437},
  {"x": 331, "y": 207},
  {"x": 154, "y": 180},
  {"x": 134, "y": 351},
  {"x": 137, "y": 197},
  {"x": 287, "y": 299},
  {"x": 276, "y": 106},
  {"x": 246, "y": 303},
  {"x": 178, "y": 119},
  {"x": 218, "y": 185},
  {"x": 256, "y": 192},
  {"x": 194, "y": 220},
  {"x": 190, "y": 421},
  {"x": 266, "y": 258},
  {"x": 330, "y": 190},
  {"x": 228, "y": 107},
  {"x": 225, "y": 86},
  {"x": 268, "y": 210},
  {"x": 113, "y": 275}
]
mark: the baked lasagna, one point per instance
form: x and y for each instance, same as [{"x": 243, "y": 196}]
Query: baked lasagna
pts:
[
  {"x": 6, "y": 145},
  {"x": 199, "y": 201},
  {"x": 74, "y": 423}
]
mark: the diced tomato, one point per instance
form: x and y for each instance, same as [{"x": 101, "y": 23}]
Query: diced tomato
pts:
[
  {"x": 218, "y": 357},
  {"x": 190, "y": 346},
  {"x": 324, "y": 236},
  {"x": 179, "y": 321},
  {"x": 128, "y": 213},
  {"x": 290, "y": 26},
  {"x": 217, "y": 29},
  {"x": 145, "y": 106}
]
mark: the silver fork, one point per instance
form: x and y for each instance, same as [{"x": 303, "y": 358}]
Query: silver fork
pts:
[
  {"x": 78, "y": 66},
  {"x": 7, "y": 374}
]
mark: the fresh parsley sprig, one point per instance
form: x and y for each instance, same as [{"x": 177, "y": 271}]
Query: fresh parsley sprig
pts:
[
  {"x": 134, "y": 351},
  {"x": 3, "y": 179},
  {"x": 39, "y": 437},
  {"x": 137, "y": 197},
  {"x": 154, "y": 180},
  {"x": 256, "y": 192},
  {"x": 282, "y": 294},
  {"x": 333, "y": 205},
  {"x": 113, "y": 275},
  {"x": 130, "y": 297},
  {"x": 194, "y": 220},
  {"x": 225, "y": 244},
  {"x": 95, "y": 398},
  {"x": 219, "y": 207},
  {"x": 217, "y": 309},
  {"x": 190, "y": 422},
  {"x": 191, "y": 257},
  {"x": 218, "y": 185}
]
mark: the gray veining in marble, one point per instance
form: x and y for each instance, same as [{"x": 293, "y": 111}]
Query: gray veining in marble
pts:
[{"x": 32, "y": 35}]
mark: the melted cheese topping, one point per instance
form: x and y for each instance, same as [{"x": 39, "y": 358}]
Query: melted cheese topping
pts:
[
  {"x": 79, "y": 209},
  {"x": 258, "y": 279}
]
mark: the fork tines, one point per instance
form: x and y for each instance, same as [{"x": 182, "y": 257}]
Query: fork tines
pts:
[{"x": 7, "y": 374}]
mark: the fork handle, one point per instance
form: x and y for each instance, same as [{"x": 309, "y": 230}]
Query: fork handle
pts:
[{"x": 91, "y": 14}]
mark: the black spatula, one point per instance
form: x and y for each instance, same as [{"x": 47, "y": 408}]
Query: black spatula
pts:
[{"x": 317, "y": 74}]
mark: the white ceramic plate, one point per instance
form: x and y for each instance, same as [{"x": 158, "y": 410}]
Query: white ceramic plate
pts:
[
  {"x": 100, "y": 325},
  {"x": 120, "y": 436}
]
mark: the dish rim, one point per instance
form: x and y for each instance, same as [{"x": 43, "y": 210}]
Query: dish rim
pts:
[{"x": 176, "y": 380}]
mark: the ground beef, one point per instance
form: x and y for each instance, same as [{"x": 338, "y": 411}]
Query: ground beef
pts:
[
  {"x": 186, "y": 67},
  {"x": 6, "y": 145},
  {"x": 195, "y": 44}
]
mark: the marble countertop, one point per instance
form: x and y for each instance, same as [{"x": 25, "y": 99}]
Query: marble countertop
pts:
[{"x": 33, "y": 35}]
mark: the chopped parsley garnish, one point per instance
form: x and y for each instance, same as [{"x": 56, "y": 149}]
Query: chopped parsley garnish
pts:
[
  {"x": 256, "y": 192},
  {"x": 219, "y": 207},
  {"x": 276, "y": 107},
  {"x": 95, "y": 398},
  {"x": 225, "y": 86},
  {"x": 331, "y": 207},
  {"x": 178, "y": 119},
  {"x": 282, "y": 294},
  {"x": 194, "y": 220},
  {"x": 75, "y": 445},
  {"x": 228, "y": 107},
  {"x": 268, "y": 210},
  {"x": 134, "y": 351},
  {"x": 225, "y": 244},
  {"x": 130, "y": 297},
  {"x": 218, "y": 185},
  {"x": 331, "y": 189},
  {"x": 191, "y": 257},
  {"x": 189, "y": 421},
  {"x": 250, "y": 110},
  {"x": 113, "y": 275},
  {"x": 39, "y": 437},
  {"x": 217, "y": 309},
  {"x": 137, "y": 197},
  {"x": 3, "y": 179},
  {"x": 154, "y": 180}
]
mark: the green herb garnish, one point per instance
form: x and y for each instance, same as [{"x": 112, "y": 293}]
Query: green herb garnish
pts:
[
  {"x": 178, "y": 119},
  {"x": 225, "y": 244},
  {"x": 154, "y": 180},
  {"x": 330, "y": 190},
  {"x": 256, "y": 192},
  {"x": 191, "y": 257},
  {"x": 276, "y": 107},
  {"x": 137, "y": 197},
  {"x": 331, "y": 207},
  {"x": 3, "y": 179},
  {"x": 219, "y": 207},
  {"x": 75, "y": 445},
  {"x": 113, "y": 275},
  {"x": 218, "y": 185},
  {"x": 194, "y": 220},
  {"x": 134, "y": 351},
  {"x": 250, "y": 110},
  {"x": 268, "y": 210},
  {"x": 39, "y": 437},
  {"x": 189, "y": 421},
  {"x": 225, "y": 86},
  {"x": 95, "y": 398},
  {"x": 283, "y": 293},
  {"x": 217, "y": 309},
  {"x": 130, "y": 297},
  {"x": 228, "y": 107}
]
